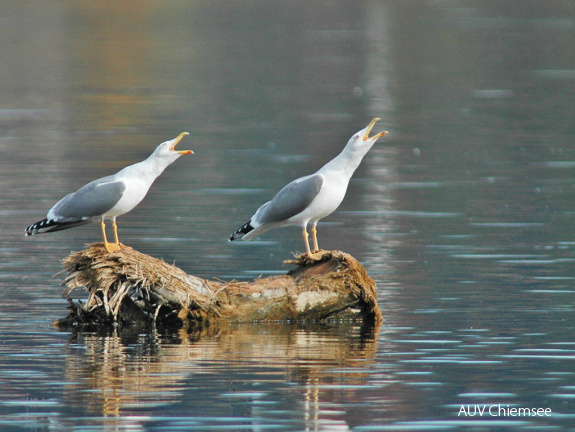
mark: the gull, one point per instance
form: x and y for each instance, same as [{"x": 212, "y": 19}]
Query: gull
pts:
[
  {"x": 111, "y": 196},
  {"x": 311, "y": 198}
]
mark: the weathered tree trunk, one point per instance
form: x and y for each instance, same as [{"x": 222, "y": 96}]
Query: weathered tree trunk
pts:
[{"x": 128, "y": 287}]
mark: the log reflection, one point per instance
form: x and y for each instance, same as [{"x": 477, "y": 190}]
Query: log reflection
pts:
[{"x": 115, "y": 374}]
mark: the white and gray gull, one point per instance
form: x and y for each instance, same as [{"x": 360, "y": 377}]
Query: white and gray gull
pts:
[
  {"x": 111, "y": 196},
  {"x": 311, "y": 198}
]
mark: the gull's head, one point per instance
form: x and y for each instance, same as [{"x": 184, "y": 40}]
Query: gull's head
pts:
[
  {"x": 362, "y": 140},
  {"x": 168, "y": 149}
]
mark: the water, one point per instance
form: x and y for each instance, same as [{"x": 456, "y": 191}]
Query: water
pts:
[{"x": 463, "y": 214}]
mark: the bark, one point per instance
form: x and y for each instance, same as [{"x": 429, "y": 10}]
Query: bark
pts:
[{"x": 131, "y": 288}]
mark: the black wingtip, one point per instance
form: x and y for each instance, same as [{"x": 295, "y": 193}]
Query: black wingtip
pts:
[
  {"x": 240, "y": 232},
  {"x": 50, "y": 225},
  {"x": 37, "y": 227}
]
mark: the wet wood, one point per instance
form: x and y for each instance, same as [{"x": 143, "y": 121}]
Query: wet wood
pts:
[{"x": 129, "y": 288}]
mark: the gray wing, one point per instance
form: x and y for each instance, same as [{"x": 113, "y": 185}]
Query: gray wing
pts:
[
  {"x": 93, "y": 199},
  {"x": 291, "y": 200}
]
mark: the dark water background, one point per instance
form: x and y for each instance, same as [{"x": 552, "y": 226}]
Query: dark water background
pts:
[{"x": 463, "y": 214}]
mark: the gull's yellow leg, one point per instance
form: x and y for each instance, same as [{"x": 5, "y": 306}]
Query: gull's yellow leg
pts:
[
  {"x": 103, "y": 228},
  {"x": 316, "y": 255},
  {"x": 115, "y": 227},
  {"x": 110, "y": 247},
  {"x": 314, "y": 237},
  {"x": 305, "y": 239},
  {"x": 311, "y": 256}
]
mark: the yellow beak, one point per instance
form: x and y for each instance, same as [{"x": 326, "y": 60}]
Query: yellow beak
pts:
[
  {"x": 370, "y": 127},
  {"x": 175, "y": 143}
]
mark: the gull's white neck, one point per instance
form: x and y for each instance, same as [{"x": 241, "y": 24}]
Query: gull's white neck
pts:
[
  {"x": 149, "y": 169},
  {"x": 346, "y": 162}
]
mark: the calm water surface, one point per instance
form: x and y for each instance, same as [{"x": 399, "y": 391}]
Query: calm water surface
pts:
[{"x": 463, "y": 215}]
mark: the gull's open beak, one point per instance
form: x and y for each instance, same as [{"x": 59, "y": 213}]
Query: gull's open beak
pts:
[
  {"x": 175, "y": 143},
  {"x": 370, "y": 127}
]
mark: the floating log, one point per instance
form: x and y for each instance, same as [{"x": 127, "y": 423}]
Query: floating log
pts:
[{"x": 128, "y": 287}]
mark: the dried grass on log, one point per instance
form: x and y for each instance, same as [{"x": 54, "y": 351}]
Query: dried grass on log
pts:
[{"x": 128, "y": 287}]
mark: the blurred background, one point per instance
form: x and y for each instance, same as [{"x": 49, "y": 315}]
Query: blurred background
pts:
[{"x": 463, "y": 213}]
